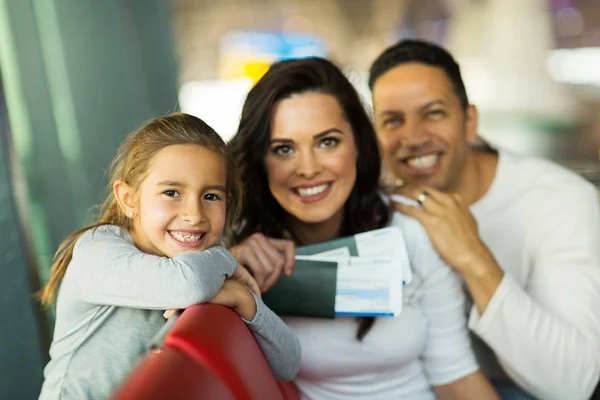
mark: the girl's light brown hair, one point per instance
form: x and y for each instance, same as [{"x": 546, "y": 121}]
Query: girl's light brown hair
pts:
[{"x": 131, "y": 166}]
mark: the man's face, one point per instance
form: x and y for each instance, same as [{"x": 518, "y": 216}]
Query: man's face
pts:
[{"x": 421, "y": 125}]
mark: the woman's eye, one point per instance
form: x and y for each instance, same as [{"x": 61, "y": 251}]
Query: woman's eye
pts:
[
  {"x": 212, "y": 197},
  {"x": 171, "y": 193},
  {"x": 330, "y": 142},
  {"x": 283, "y": 150}
]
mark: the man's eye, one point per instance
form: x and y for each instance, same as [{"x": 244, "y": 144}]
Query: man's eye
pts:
[
  {"x": 212, "y": 197},
  {"x": 171, "y": 193},
  {"x": 392, "y": 122},
  {"x": 435, "y": 114}
]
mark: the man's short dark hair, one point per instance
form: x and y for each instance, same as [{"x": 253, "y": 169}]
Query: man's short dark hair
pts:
[{"x": 419, "y": 51}]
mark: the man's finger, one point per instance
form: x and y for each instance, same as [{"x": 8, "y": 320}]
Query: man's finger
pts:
[
  {"x": 411, "y": 211},
  {"x": 413, "y": 191},
  {"x": 429, "y": 202},
  {"x": 446, "y": 199}
]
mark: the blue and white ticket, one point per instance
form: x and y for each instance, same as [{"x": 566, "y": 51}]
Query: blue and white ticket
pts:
[
  {"x": 370, "y": 284},
  {"x": 365, "y": 286}
]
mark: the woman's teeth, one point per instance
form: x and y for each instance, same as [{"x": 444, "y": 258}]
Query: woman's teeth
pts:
[
  {"x": 424, "y": 161},
  {"x": 186, "y": 237},
  {"x": 312, "y": 191}
]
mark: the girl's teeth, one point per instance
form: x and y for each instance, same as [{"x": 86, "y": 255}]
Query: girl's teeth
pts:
[
  {"x": 186, "y": 238},
  {"x": 312, "y": 191},
  {"x": 424, "y": 161}
]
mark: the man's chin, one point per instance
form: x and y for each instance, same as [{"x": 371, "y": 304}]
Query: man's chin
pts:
[{"x": 430, "y": 180}]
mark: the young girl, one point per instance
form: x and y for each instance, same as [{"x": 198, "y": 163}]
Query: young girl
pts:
[{"x": 175, "y": 188}]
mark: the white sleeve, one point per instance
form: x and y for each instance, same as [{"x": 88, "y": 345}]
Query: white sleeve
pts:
[
  {"x": 547, "y": 335},
  {"x": 448, "y": 355},
  {"x": 110, "y": 270}
]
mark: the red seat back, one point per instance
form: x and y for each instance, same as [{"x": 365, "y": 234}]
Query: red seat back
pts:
[
  {"x": 288, "y": 391},
  {"x": 216, "y": 337},
  {"x": 209, "y": 354},
  {"x": 172, "y": 375}
]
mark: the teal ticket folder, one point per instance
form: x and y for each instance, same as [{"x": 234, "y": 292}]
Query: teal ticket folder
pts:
[
  {"x": 312, "y": 289},
  {"x": 309, "y": 292},
  {"x": 348, "y": 242}
]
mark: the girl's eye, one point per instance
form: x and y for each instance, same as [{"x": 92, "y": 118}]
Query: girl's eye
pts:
[
  {"x": 212, "y": 197},
  {"x": 283, "y": 150},
  {"x": 329, "y": 142},
  {"x": 171, "y": 193}
]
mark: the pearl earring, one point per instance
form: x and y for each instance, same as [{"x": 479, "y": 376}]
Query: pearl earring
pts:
[{"x": 130, "y": 213}]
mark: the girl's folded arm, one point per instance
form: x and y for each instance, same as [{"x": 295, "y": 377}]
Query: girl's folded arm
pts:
[
  {"x": 278, "y": 342},
  {"x": 112, "y": 271}
]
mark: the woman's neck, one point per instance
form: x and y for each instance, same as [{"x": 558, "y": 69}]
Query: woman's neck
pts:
[{"x": 308, "y": 233}]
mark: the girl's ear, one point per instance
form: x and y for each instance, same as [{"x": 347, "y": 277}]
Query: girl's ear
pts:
[{"x": 125, "y": 196}]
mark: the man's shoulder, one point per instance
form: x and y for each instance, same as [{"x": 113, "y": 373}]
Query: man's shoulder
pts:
[{"x": 544, "y": 177}]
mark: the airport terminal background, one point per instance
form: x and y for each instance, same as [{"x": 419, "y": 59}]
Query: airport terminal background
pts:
[{"x": 77, "y": 75}]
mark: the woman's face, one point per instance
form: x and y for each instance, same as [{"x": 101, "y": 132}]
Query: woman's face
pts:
[{"x": 311, "y": 159}]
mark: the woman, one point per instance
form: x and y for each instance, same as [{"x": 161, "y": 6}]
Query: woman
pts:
[{"x": 310, "y": 160}]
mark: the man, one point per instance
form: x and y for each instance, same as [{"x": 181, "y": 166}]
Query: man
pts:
[{"x": 522, "y": 232}]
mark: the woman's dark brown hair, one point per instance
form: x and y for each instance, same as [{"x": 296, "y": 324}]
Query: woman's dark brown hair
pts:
[{"x": 364, "y": 209}]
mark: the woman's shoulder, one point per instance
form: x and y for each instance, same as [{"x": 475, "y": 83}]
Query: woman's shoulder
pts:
[
  {"x": 413, "y": 231},
  {"x": 423, "y": 257}
]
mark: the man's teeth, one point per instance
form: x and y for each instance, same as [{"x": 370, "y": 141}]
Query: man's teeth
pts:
[
  {"x": 312, "y": 191},
  {"x": 424, "y": 161},
  {"x": 186, "y": 237}
]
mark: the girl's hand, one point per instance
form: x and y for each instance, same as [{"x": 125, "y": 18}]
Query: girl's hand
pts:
[
  {"x": 235, "y": 295},
  {"x": 266, "y": 258},
  {"x": 242, "y": 276}
]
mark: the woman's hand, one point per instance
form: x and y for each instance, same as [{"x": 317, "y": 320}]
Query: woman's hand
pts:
[
  {"x": 266, "y": 258},
  {"x": 235, "y": 295}
]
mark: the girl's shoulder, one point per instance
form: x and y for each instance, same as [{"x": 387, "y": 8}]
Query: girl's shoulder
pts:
[{"x": 102, "y": 233}]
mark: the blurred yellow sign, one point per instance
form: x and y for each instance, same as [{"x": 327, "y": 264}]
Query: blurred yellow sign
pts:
[{"x": 250, "y": 53}]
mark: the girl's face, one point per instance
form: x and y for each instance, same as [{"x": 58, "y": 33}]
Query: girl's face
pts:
[
  {"x": 181, "y": 203},
  {"x": 311, "y": 160}
]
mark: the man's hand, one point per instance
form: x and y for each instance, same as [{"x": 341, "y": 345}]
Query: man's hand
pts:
[
  {"x": 235, "y": 295},
  {"x": 453, "y": 232},
  {"x": 263, "y": 257},
  {"x": 449, "y": 224}
]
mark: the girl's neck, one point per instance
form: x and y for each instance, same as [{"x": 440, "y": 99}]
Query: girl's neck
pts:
[{"x": 308, "y": 233}]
